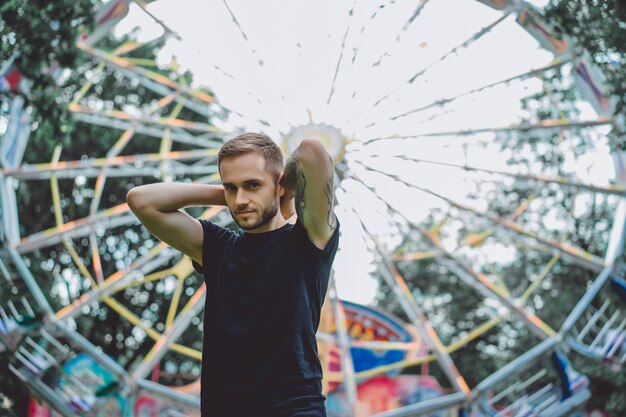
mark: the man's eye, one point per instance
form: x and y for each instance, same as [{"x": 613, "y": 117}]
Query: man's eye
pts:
[
  {"x": 229, "y": 188},
  {"x": 253, "y": 185}
]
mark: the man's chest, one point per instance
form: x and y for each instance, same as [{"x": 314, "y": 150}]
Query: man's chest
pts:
[{"x": 250, "y": 268}]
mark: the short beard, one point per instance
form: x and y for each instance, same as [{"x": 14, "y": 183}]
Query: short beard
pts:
[{"x": 265, "y": 217}]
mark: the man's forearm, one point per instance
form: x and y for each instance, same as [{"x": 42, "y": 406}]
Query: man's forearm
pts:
[
  {"x": 170, "y": 196},
  {"x": 309, "y": 175}
]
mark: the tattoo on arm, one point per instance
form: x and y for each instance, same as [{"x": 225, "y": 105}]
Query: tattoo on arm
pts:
[
  {"x": 295, "y": 180},
  {"x": 330, "y": 195}
]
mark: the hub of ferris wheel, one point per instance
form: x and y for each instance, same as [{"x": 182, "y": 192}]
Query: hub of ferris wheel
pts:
[{"x": 331, "y": 137}]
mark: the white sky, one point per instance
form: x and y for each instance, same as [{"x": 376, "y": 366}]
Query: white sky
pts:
[{"x": 299, "y": 43}]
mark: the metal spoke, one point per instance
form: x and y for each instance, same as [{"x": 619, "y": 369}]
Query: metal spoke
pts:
[
  {"x": 562, "y": 181},
  {"x": 544, "y": 124},
  {"x": 343, "y": 45},
  {"x": 454, "y": 50},
  {"x": 577, "y": 255}
]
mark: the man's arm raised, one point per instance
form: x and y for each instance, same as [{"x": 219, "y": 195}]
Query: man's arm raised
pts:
[
  {"x": 158, "y": 207},
  {"x": 309, "y": 174}
]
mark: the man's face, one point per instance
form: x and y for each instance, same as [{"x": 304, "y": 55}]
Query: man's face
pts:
[{"x": 251, "y": 193}]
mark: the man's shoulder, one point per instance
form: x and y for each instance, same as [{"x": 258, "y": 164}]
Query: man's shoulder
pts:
[
  {"x": 300, "y": 231},
  {"x": 217, "y": 232},
  {"x": 216, "y": 239}
]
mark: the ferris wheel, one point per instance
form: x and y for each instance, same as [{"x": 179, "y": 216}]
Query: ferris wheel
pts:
[{"x": 412, "y": 173}]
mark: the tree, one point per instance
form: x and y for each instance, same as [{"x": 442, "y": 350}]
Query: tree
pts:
[
  {"x": 578, "y": 217},
  {"x": 599, "y": 28},
  {"x": 41, "y": 36}
]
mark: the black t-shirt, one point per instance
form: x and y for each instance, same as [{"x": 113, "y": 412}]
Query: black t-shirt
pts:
[{"x": 264, "y": 297}]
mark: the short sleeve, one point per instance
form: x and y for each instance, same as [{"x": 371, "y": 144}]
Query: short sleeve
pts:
[
  {"x": 309, "y": 247},
  {"x": 318, "y": 261},
  {"x": 215, "y": 239}
]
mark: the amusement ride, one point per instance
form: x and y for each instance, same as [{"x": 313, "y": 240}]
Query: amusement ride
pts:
[{"x": 364, "y": 349}]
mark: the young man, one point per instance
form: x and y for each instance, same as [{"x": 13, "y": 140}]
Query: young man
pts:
[{"x": 266, "y": 283}]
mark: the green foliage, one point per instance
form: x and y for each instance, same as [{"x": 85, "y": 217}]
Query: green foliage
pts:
[
  {"x": 42, "y": 34},
  {"x": 580, "y": 218},
  {"x": 585, "y": 217},
  {"x": 599, "y": 29}
]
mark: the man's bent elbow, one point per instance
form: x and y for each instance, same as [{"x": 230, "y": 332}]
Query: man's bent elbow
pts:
[
  {"x": 133, "y": 198},
  {"x": 313, "y": 150}
]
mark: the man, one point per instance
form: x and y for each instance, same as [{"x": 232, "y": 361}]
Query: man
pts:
[{"x": 266, "y": 283}]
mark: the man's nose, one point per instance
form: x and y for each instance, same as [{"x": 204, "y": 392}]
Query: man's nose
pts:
[{"x": 241, "y": 199}]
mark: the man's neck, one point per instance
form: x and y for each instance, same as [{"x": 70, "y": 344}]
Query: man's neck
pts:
[{"x": 276, "y": 223}]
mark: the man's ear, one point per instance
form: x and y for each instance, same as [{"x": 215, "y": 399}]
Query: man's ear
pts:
[{"x": 281, "y": 184}]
